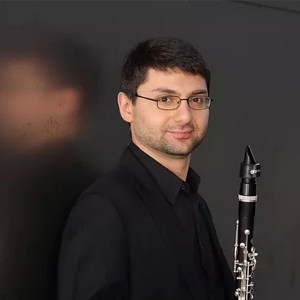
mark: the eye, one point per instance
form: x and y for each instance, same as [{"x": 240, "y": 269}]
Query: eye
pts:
[
  {"x": 165, "y": 99},
  {"x": 197, "y": 99}
]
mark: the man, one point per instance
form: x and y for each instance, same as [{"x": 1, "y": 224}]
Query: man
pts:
[
  {"x": 47, "y": 82},
  {"x": 143, "y": 231}
]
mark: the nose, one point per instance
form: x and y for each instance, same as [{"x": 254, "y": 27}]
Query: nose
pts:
[{"x": 183, "y": 114}]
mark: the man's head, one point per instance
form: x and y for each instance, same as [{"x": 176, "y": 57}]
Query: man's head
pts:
[
  {"x": 157, "y": 69},
  {"x": 161, "y": 54},
  {"x": 47, "y": 80}
]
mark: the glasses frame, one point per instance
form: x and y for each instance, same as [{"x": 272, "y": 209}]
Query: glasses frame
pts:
[{"x": 181, "y": 99}]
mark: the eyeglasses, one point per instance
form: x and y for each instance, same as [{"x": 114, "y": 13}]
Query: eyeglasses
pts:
[{"x": 197, "y": 102}]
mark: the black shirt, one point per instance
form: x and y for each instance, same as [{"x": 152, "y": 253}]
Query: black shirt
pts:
[{"x": 186, "y": 203}]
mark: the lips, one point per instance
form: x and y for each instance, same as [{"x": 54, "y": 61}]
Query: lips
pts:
[{"x": 181, "y": 134}]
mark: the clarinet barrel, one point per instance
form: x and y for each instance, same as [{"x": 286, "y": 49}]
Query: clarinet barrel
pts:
[{"x": 244, "y": 251}]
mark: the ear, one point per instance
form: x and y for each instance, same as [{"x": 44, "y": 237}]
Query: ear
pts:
[{"x": 125, "y": 107}]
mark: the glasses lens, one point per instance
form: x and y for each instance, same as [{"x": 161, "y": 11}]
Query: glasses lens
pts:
[
  {"x": 199, "y": 102},
  {"x": 168, "y": 102}
]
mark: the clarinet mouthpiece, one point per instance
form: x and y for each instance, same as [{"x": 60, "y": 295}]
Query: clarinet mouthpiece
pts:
[
  {"x": 249, "y": 157},
  {"x": 249, "y": 167}
]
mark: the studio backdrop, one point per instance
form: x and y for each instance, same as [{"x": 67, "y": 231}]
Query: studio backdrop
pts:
[{"x": 252, "y": 50}]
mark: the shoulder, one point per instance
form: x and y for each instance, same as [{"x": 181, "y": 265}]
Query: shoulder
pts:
[
  {"x": 104, "y": 198},
  {"x": 92, "y": 220},
  {"x": 91, "y": 210},
  {"x": 110, "y": 182}
]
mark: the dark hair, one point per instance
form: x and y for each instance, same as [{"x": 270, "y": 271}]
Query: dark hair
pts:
[
  {"x": 160, "y": 54},
  {"x": 68, "y": 61}
]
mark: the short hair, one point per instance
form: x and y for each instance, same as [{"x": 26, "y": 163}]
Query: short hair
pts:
[
  {"x": 161, "y": 54},
  {"x": 69, "y": 61}
]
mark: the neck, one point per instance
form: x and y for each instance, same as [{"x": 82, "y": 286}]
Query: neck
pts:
[{"x": 179, "y": 165}]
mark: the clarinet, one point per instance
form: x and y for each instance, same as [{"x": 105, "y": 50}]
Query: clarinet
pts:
[{"x": 244, "y": 251}]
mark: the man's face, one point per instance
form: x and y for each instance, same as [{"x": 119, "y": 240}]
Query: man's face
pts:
[{"x": 176, "y": 132}]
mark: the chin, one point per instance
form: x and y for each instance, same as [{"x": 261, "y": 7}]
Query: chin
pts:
[
  {"x": 185, "y": 151},
  {"x": 181, "y": 154},
  {"x": 177, "y": 151}
]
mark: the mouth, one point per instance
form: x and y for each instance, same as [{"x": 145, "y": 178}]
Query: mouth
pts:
[{"x": 181, "y": 134}]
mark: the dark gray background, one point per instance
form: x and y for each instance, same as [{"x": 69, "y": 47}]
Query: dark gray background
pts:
[{"x": 253, "y": 52}]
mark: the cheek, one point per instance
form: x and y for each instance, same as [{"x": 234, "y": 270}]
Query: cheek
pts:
[
  {"x": 201, "y": 120},
  {"x": 153, "y": 122},
  {"x": 143, "y": 116}
]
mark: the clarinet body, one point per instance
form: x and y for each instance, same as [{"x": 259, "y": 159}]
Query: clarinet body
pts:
[{"x": 244, "y": 251}]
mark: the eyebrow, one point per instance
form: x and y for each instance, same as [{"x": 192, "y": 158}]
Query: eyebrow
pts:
[{"x": 171, "y": 91}]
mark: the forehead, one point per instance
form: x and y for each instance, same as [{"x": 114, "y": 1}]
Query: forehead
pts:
[{"x": 175, "y": 79}]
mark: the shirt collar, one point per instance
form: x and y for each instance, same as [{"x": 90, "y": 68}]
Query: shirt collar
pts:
[{"x": 169, "y": 183}]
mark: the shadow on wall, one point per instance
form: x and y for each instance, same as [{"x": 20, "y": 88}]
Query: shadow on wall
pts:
[{"x": 48, "y": 81}]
